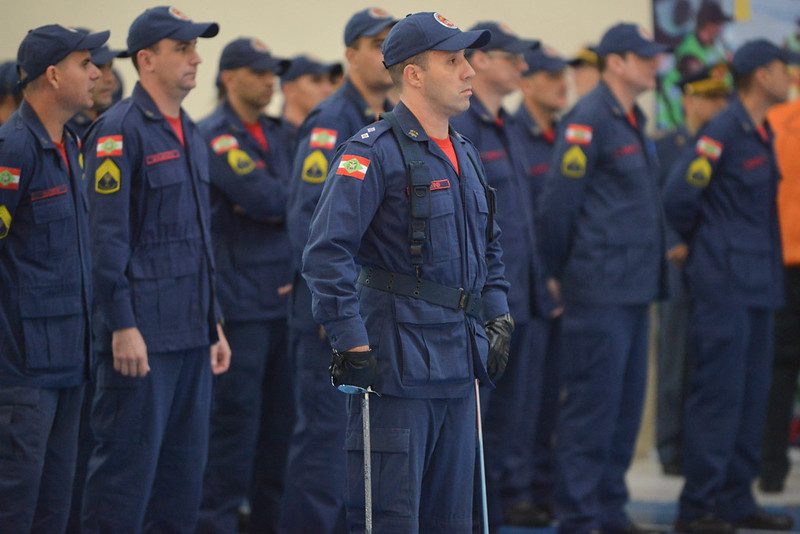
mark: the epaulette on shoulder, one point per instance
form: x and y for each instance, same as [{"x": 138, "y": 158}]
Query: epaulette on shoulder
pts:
[{"x": 368, "y": 134}]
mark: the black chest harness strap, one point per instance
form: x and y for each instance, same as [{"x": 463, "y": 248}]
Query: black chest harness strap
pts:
[{"x": 419, "y": 183}]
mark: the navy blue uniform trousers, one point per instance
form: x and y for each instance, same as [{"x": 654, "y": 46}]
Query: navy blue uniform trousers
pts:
[
  {"x": 146, "y": 471},
  {"x": 423, "y": 453},
  {"x": 251, "y": 414},
  {"x": 731, "y": 364},
  {"x": 316, "y": 474},
  {"x": 603, "y": 376},
  {"x": 38, "y": 443}
]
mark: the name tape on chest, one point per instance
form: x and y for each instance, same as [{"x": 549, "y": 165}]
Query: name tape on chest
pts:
[
  {"x": 9, "y": 178},
  {"x": 315, "y": 168},
  {"x": 353, "y": 166},
  {"x": 107, "y": 178}
]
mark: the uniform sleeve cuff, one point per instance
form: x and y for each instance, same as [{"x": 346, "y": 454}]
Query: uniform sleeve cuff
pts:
[
  {"x": 347, "y": 333},
  {"x": 119, "y": 315},
  {"x": 494, "y": 304}
]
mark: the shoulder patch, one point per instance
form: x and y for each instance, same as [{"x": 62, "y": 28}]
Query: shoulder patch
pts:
[
  {"x": 353, "y": 166},
  {"x": 9, "y": 178},
  {"x": 573, "y": 164},
  {"x": 240, "y": 162},
  {"x": 323, "y": 138},
  {"x": 315, "y": 168},
  {"x": 709, "y": 147},
  {"x": 699, "y": 173},
  {"x": 578, "y": 134},
  {"x": 224, "y": 143},
  {"x": 107, "y": 178},
  {"x": 5, "y": 221},
  {"x": 109, "y": 146}
]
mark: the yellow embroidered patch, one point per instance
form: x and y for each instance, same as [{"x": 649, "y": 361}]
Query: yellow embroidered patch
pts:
[
  {"x": 315, "y": 168},
  {"x": 699, "y": 173},
  {"x": 573, "y": 164},
  {"x": 5, "y": 221},
  {"x": 107, "y": 178},
  {"x": 240, "y": 162}
]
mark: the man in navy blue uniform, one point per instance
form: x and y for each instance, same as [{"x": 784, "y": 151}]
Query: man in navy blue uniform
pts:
[
  {"x": 544, "y": 96},
  {"x": 250, "y": 161},
  {"x": 305, "y": 84},
  {"x": 103, "y": 94},
  {"x": 721, "y": 198},
  {"x": 156, "y": 322},
  {"x": 402, "y": 265},
  {"x": 10, "y": 95},
  {"x": 45, "y": 280},
  {"x": 602, "y": 243},
  {"x": 316, "y": 477},
  {"x": 498, "y": 70},
  {"x": 704, "y": 95}
]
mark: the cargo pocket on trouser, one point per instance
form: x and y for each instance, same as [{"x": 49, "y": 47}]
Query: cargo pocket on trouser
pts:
[
  {"x": 53, "y": 331},
  {"x": 20, "y": 439},
  {"x": 391, "y": 477},
  {"x": 118, "y": 405}
]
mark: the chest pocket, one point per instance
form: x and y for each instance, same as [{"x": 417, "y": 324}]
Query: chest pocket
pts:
[
  {"x": 443, "y": 236},
  {"x": 55, "y": 225},
  {"x": 170, "y": 205}
]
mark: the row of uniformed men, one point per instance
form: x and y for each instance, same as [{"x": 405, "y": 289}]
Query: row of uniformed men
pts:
[{"x": 154, "y": 270}]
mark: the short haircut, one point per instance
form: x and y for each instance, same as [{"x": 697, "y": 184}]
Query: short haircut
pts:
[
  {"x": 152, "y": 48},
  {"x": 396, "y": 71},
  {"x": 742, "y": 82}
]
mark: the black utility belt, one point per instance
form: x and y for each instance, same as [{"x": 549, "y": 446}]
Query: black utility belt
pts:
[{"x": 410, "y": 286}]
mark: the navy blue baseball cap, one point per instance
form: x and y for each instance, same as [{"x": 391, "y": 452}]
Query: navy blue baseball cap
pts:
[
  {"x": 504, "y": 38},
  {"x": 9, "y": 78},
  {"x": 367, "y": 23},
  {"x": 760, "y": 52},
  {"x": 626, "y": 37},
  {"x": 253, "y": 54},
  {"x": 164, "y": 22},
  {"x": 419, "y": 32},
  {"x": 543, "y": 59},
  {"x": 302, "y": 65},
  {"x": 47, "y": 45},
  {"x": 103, "y": 55}
]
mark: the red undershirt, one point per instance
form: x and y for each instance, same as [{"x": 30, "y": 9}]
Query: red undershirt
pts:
[
  {"x": 63, "y": 151},
  {"x": 446, "y": 145},
  {"x": 177, "y": 127},
  {"x": 258, "y": 134},
  {"x": 549, "y": 135},
  {"x": 763, "y": 133},
  {"x": 632, "y": 119}
]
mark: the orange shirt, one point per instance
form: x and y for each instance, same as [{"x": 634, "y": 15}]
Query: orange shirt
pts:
[
  {"x": 446, "y": 145},
  {"x": 785, "y": 122}
]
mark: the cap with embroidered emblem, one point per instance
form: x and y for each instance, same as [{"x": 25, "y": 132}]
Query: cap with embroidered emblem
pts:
[
  {"x": 367, "y": 23},
  {"x": 626, "y": 37},
  {"x": 757, "y": 53},
  {"x": 419, "y": 32},
  {"x": 504, "y": 38},
  {"x": 48, "y": 45},
  {"x": 164, "y": 22},
  {"x": 253, "y": 54}
]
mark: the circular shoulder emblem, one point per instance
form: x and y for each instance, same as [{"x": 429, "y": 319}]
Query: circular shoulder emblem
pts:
[
  {"x": 444, "y": 22},
  {"x": 177, "y": 13}
]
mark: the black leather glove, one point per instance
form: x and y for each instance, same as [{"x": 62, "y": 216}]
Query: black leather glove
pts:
[
  {"x": 498, "y": 330},
  {"x": 353, "y": 372}
]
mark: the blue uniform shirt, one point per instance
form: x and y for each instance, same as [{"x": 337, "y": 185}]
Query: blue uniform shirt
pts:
[
  {"x": 721, "y": 198},
  {"x": 80, "y": 124},
  {"x": 601, "y": 219},
  {"x": 502, "y": 156},
  {"x": 45, "y": 282},
  {"x": 538, "y": 151},
  {"x": 331, "y": 123},
  {"x": 149, "y": 194},
  {"x": 248, "y": 206},
  {"x": 423, "y": 350}
]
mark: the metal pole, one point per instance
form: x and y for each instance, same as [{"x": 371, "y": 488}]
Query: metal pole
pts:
[
  {"x": 367, "y": 464},
  {"x": 480, "y": 459}
]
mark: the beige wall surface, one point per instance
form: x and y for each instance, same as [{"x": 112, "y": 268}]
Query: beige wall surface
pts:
[{"x": 315, "y": 26}]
